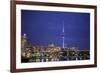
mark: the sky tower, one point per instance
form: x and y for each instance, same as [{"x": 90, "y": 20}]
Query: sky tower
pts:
[{"x": 63, "y": 36}]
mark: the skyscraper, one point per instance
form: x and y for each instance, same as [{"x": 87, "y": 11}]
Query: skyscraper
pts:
[{"x": 24, "y": 41}]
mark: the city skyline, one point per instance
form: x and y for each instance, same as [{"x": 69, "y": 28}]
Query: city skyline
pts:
[{"x": 45, "y": 27}]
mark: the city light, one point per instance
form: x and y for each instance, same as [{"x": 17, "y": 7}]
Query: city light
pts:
[{"x": 50, "y": 53}]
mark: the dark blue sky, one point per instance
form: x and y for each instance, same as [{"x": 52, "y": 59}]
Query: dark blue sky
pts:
[{"x": 45, "y": 27}]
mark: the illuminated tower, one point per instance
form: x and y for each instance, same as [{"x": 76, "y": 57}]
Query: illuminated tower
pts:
[
  {"x": 63, "y": 37},
  {"x": 24, "y": 41}
]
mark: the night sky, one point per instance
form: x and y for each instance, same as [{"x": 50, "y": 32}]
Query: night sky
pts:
[{"x": 45, "y": 27}]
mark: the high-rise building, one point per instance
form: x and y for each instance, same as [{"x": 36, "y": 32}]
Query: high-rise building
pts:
[{"x": 24, "y": 41}]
